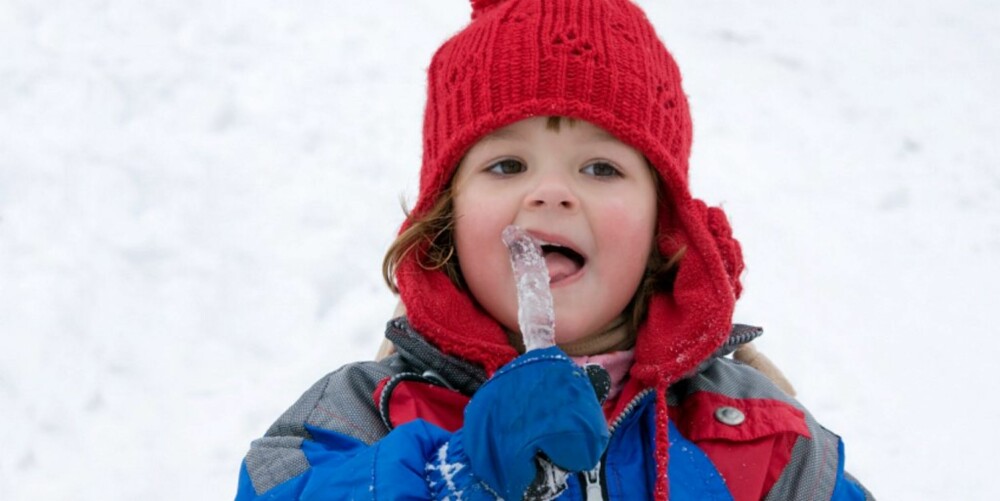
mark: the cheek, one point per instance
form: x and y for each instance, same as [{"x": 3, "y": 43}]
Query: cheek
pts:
[
  {"x": 627, "y": 235},
  {"x": 477, "y": 231},
  {"x": 484, "y": 260}
]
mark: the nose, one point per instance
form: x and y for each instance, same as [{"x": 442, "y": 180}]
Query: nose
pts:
[{"x": 552, "y": 192}]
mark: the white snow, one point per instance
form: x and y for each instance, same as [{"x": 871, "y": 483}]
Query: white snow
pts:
[
  {"x": 195, "y": 198},
  {"x": 447, "y": 471}
]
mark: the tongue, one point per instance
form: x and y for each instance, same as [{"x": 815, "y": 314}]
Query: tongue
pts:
[{"x": 559, "y": 266}]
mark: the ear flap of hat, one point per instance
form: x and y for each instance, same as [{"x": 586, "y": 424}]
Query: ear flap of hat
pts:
[
  {"x": 728, "y": 247},
  {"x": 685, "y": 327}
]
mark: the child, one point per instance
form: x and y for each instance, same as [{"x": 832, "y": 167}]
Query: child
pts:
[{"x": 566, "y": 118}]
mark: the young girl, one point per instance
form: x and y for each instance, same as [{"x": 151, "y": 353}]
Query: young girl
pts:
[{"x": 567, "y": 119}]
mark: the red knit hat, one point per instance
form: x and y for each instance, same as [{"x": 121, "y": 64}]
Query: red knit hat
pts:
[{"x": 599, "y": 61}]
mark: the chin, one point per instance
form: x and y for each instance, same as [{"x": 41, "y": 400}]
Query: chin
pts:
[{"x": 569, "y": 334}]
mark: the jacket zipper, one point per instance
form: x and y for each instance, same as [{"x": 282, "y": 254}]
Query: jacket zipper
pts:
[
  {"x": 592, "y": 484},
  {"x": 593, "y": 481}
]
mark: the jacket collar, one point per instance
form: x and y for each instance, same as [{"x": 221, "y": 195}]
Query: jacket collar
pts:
[
  {"x": 466, "y": 377},
  {"x": 422, "y": 357}
]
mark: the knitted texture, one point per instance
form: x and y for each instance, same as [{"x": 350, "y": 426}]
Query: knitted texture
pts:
[{"x": 599, "y": 61}]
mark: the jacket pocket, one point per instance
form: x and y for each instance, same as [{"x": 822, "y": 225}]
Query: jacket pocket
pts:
[{"x": 749, "y": 440}]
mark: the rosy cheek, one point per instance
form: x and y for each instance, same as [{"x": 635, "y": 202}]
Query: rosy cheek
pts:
[
  {"x": 628, "y": 234},
  {"x": 484, "y": 261},
  {"x": 626, "y": 221}
]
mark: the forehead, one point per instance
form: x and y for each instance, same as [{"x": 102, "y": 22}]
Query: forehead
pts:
[{"x": 525, "y": 129}]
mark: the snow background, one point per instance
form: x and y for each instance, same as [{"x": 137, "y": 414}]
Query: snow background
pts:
[{"x": 195, "y": 198}]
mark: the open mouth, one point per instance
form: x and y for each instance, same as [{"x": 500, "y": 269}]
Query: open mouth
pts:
[{"x": 562, "y": 261}]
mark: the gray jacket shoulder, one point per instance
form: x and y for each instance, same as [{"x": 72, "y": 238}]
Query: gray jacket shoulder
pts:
[
  {"x": 736, "y": 380},
  {"x": 342, "y": 401}
]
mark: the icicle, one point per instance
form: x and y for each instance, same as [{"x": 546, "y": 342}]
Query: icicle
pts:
[{"x": 535, "y": 313}]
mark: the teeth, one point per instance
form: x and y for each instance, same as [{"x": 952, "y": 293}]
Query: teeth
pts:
[
  {"x": 562, "y": 249},
  {"x": 566, "y": 251}
]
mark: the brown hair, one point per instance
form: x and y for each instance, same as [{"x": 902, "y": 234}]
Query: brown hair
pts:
[
  {"x": 659, "y": 277},
  {"x": 431, "y": 236}
]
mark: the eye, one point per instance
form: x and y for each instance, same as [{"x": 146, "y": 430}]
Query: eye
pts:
[
  {"x": 506, "y": 167},
  {"x": 601, "y": 169}
]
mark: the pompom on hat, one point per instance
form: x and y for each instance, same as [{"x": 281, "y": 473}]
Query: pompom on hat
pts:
[{"x": 599, "y": 61}]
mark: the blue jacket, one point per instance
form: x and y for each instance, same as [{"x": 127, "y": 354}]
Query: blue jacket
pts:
[{"x": 374, "y": 430}]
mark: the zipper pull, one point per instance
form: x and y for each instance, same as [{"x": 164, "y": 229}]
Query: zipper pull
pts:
[{"x": 592, "y": 484}]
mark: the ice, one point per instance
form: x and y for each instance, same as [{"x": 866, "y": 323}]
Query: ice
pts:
[{"x": 535, "y": 313}]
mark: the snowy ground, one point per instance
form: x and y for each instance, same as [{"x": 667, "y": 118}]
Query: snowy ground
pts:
[{"x": 195, "y": 198}]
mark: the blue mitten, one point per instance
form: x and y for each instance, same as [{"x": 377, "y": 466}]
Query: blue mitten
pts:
[{"x": 540, "y": 408}]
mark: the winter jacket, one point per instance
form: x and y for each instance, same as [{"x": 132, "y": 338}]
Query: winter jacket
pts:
[{"x": 733, "y": 435}]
